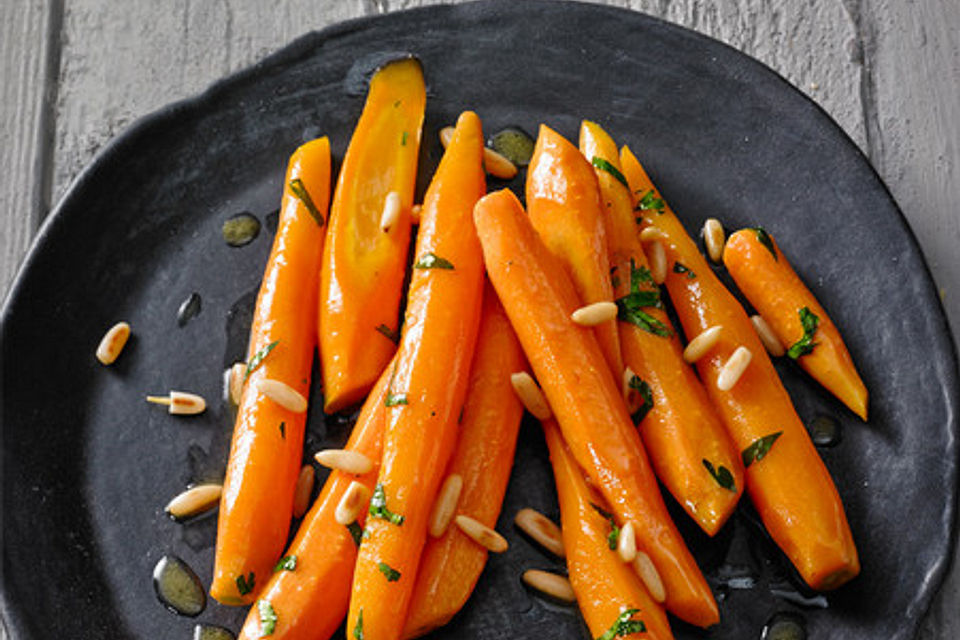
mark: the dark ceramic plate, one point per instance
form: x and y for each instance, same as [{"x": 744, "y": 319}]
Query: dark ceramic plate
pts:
[{"x": 88, "y": 465}]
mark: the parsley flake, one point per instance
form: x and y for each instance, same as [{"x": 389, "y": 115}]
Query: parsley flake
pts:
[
  {"x": 624, "y": 626},
  {"x": 403, "y": 139},
  {"x": 357, "y": 532},
  {"x": 268, "y": 618},
  {"x": 378, "y": 507},
  {"x": 764, "y": 238},
  {"x": 431, "y": 260},
  {"x": 650, "y": 202},
  {"x": 722, "y": 475},
  {"x": 630, "y": 307},
  {"x": 759, "y": 448},
  {"x": 287, "y": 563},
  {"x": 392, "y": 336},
  {"x": 391, "y": 574},
  {"x": 604, "y": 165},
  {"x": 614, "y": 536},
  {"x": 641, "y": 387},
  {"x": 257, "y": 359},
  {"x": 245, "y": 585},
  {"x": 682, "y": 268},
  {"x": 300, "y": 190},
  {"x": 358, "y": 628},
  {"x": 805, "y": 345},
  {"x": 395, "y": 399},
  {"x": 283, "y": 430}
]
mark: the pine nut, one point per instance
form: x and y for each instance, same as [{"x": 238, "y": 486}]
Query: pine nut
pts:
[
  {"x": 734, "y": 368},
  {"x": 344, "y": 460},
  {"x": 194, "y": 501},
  {"x": 550, "y": 584},
  {"x": 415, "y": 212},
  {"x": 301, "y": 495},
  {"x": 630, "y": 396},
  {"x": 542, "y": 529},
  {"x": 593, "y": 314},
  {"x": 113, "y": 342},
  {"x": 648, "y": 573},
  {"x": 493, "y": 163},
  {"x": 181, "y": 403},
  {"x": 237, "y": 372},
  {"x": 391, "y": 211},
  {"x": 767, "y": 337},
  {"x": 700, "y": 345},
  {"x": 627, "y": 543},
  {"x": 446, "y": 135},
  {"x": 482, "y": 534},
  {"x": 714, "y": 239},
  {"x": 446, "y": 505},
  {"x": 652, "y": 233},
  {"x": 353, "y": 501},
  {"x": 530, "y": 395},
  {"x": 283, "y": 394},
  {"x": 657, "y": 257}
]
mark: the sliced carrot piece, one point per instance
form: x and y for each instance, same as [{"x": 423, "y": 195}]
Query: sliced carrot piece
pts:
[
  {"x": 786, "y": 479},
  {"x": 538, "y": 298},
  {"x": 451, "y": 564},
  {"x": 267, "y": 447},
  {"x": 363, "y": 264},
  {"x": 681, "y": 428},
  {"x": 766, "y": 278},
  {"x": 428, "y": 388}
]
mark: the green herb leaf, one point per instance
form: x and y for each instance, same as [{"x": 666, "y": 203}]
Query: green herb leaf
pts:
[
  {"x": 432, "y": 261},
  {"x": 358, "y": 628},
  {"x": 395, "y": 399},
  {"x": 378, "y": 507},
  {"x": 403, "y": 139},
  {"x": 759, "y": 448},
  {"x": 300, "y": 190},
  {"x": 641, "y": 387},
  {"x": 614, "y": 536},
  {"x": 283, "y": 430},
  {"x": 245, "y": 585},
  {"x": 257, "y": 359},
  {"x": 630, "y": 307},
  {"x": 681, "y": 268},
  {"x": 764, "y": 238},
  {"x": 722, "y": 475},
  {"x": 604, "y": 165},
  {"x": 805, "y": 345},
  {"x": 624, "y": 626},
  {"x": 287, "y": 563},
  {"x": 393, "y": 336},
  {"x": 357, "y": 532},
  {"x": 268, "y": 618},
  {"x": 650, "y": 202},
  {"x": 392, "y": 574}
]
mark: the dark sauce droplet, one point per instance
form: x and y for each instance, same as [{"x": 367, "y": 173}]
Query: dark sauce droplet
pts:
[
  {"x": 784, "y": 626},
  {"x": 178, "y": 587},
  {"x": 241, "y": 229},
  {"x": 189, "y": 309},
  {"x": 514, "y": 144},
  {"x": 212, "y": 632},
  {"x": 824, "y": 431}
]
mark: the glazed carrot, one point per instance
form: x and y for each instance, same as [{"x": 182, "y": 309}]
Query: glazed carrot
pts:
[
  {"x": 563, "y": 202},
  {"x": 267, "y": 447},
  {"x": 605, "y": 586},
  {"x": 364, "y": 264},
  {"x": 451, "y": 564},
  {"x": 681, "y": 428},
  {"x": 786, "y": 479},
  {"x": 310, "y": 595},
  {"x": 538, "y": 298},
  {"x": 766, "y": 278},
  {"x": 428, "y": 388}
]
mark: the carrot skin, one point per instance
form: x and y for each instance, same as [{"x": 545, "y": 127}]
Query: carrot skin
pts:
[
  {"x": 538, "y": 298},
  {"x": 451, "y": 564},
  {"x": 428, "y": 386},
  {"x": 363, "y": 266},
  {"x": 777, "y": 293},
  {"x": 790, "y": 487},
  {"x": 257, "y": 502}
]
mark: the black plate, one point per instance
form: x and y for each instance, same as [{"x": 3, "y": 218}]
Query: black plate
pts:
[{"x": 88, "y": 465}]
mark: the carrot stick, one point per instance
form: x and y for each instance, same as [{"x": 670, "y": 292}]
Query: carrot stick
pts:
[
  {"x": 786, "y": 479},
  {"x": 538, "y": 298},
  {"x": 605, "y": 586},
  {"x": 428, "y": 388},
  {"x": 766, "y": 278},
  {"x": 311, "y": 598},
  {"x": 267, "y": 447},
  {"x": 451, "y": 564},
  {"x": 363, "y": 264},
  {"x": 563, "y": 202},
  {"x": 681, "y": 428}
]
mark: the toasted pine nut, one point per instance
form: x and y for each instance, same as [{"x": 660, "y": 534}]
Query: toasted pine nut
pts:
[
  {"x": 283, "y": 394},
  {"x": 391, "y": 211},
  {"x": 700, "y": 345},
  {"x": 542, "y": 529},
  {"x": 593, "y": 314},
  {"x": 657, "y": 256},
  {"x": 627, "y": 543},
  {"x": 530, "y": 395},
  {"x": 494, "y": 163},
  {"x": 195, "y": 501},
  {"x": 181, "y": 403},
  {"x": 714, "y": 239},
  {"x": 344, "y": 460},
  {"x": 301, "y": 495},
  {"x": 550, "y": 584},
  {"x": 648, "y": 573},
  {"x": 482, "y": 534},
  {"x": 415, "y": 211},
  {"x": 353, "y": 501},
  {"x": 445, "y": 505},
  {"x": 446, "y": 135},
  {"x": 652, "y": 233},
  {"x": 735, "y": 366},
  {"x": 113, "y": 342},
  {"x": 235, "y": 386},
  {"x": 630, "y": 396},
  {"x": 767, "y": 337}
]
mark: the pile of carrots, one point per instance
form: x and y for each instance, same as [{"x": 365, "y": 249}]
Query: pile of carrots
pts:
[{"x": 566, "y": 292}]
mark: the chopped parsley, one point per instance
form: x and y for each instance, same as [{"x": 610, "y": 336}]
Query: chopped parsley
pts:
[
  {"x": 641, "y": 387},
  {"x": 287, "y": 563},
  {"x": 300, "y": 190},
  {"x": 650, "y": 202},
  {"x": 245, "y": 585},
  {"x": 283, "y": 430},
  {"x": 257, "y": 359},
  {"x": 630, "y": 307},
  {"x": 357, "y": 532},
  {"x": 268, "y": 618},
  {"x": 805, "y": 345},
  {"x": 395, "y": 399},
  {"x": 722, "y": 475},
  {"x": 764, "y": 238},
  {"x": 358, "y": 628},
  {"x": 604, "y": 165},
  {"x": 431, "y": 260},
  {"x": 614, "y": 536},
  {"x": 393, "y": 336},
  {"x": 624, "y": 626},
  {"x": 403, "y": 139},
  {"x": 378, "y": 507},
  {"x": 759, "y": 448},
  {"x": 682, "y": 268},
  {"x": 392, "y": 574}
]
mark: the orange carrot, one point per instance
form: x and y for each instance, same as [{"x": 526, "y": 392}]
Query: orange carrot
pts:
[
  {"x": 681, "y": 428},
  {"x": 766, "y": 278},
  {"x": 363, "y": 263},
  {"x": 310, "y": 592},
  {"x": 451, "y": 564},
  {"x": 267, "y": 447},
  {"x": 606, "y": 587},
  {"x": 428, "y": 388},
  {"x": 786, "y": 479},
  {"x": 539, "y": 298},
  {"x": 563, "y": 202}
]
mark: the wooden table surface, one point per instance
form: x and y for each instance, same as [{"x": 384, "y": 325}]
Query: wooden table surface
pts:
[{"x": 76, "y": 73}]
